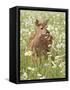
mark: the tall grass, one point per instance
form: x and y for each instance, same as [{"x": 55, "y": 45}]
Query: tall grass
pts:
[{"x": 52, "y": 66}]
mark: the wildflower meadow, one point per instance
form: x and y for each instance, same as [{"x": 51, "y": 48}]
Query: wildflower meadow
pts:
[{"x": 53, "y": 66}]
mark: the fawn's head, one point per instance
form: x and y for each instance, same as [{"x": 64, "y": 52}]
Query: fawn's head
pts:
[{"x": 41, "y": 26}]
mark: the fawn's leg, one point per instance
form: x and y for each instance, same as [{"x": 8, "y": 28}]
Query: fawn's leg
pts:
[{"x": 34, "y": 60}]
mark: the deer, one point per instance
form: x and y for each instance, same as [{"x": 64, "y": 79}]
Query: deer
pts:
[{"x": 41, "y": 42}]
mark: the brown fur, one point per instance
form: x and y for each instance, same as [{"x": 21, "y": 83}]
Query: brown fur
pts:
[{"x": 39, "y": 43}]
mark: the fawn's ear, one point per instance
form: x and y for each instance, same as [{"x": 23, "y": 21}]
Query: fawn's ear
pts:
[
  {"x": 46, "y": 21},
  {"x": 36, "y": 22}
]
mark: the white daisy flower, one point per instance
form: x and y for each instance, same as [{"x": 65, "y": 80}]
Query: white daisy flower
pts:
[
  {"x": 29, "y": 33},
  {"x": 64, "y": 22},
  {"x": 45, "y": 64},
  {"x": 50, "y": 27},
  {"x": 24, "y": 76},
  {"x": 54, "y": 66},
  {"x": 39, "y": 75},
  {"x": 53, "y": 63},
  {"x": 30, "y": 68},
  {"x": 48, "y": 52},
  {"x": 61, "y": 64},
  {"x": 56, "y": 29},
  {"x": 42, "y": 77},
  {"x": 57, "y": 57},
  {"x": 58, "y": 15},
  {"x": 28, "y": 53},
  {"x": 58, "y": 46}
]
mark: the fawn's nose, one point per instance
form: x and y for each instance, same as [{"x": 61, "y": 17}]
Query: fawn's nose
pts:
[{"x": 41, "y": 27}]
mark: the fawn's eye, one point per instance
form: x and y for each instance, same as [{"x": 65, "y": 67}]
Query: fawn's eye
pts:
[{"x": 38, "y": 24}]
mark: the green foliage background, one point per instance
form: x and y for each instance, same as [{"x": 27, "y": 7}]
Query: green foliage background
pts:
[{"x": 54, "y": 65}]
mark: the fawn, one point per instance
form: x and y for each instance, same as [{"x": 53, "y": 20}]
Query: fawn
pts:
[{"x": 41, "y": 42}]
